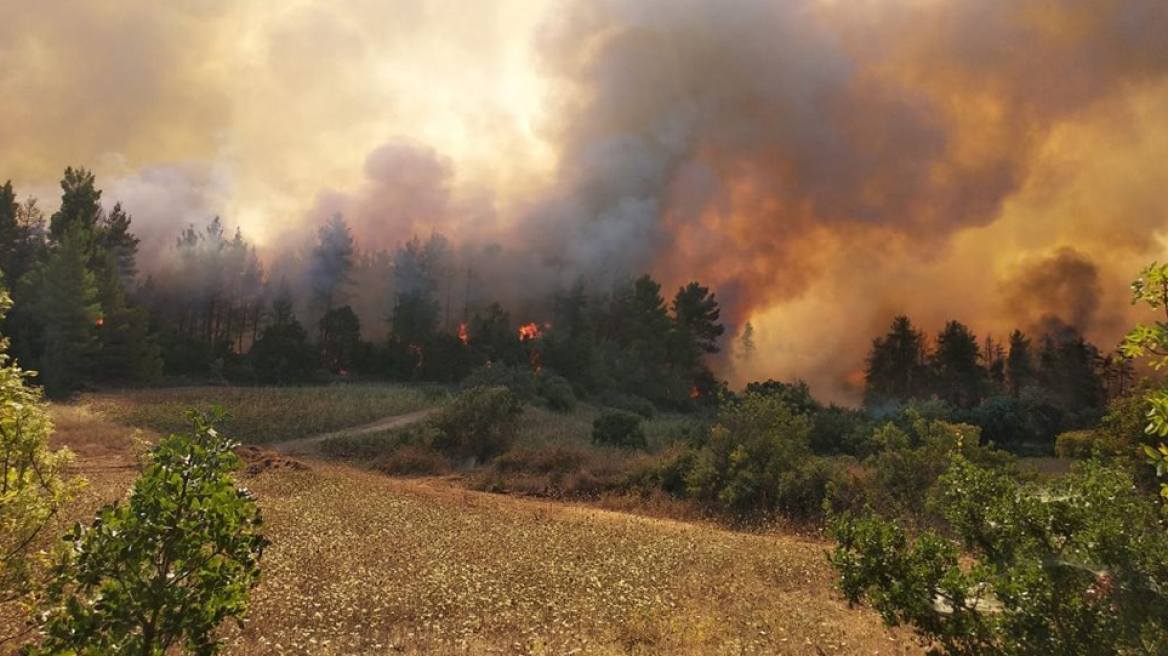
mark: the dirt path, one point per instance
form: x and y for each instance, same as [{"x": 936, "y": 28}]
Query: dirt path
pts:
[{"x": 309, "y": 445}]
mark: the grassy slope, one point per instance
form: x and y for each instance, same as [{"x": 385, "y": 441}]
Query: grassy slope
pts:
[
  {"x": 363, "y": 563},
  {"x": 263, "y": 415}
]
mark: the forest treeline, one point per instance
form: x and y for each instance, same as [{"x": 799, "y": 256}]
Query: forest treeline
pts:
[
  {"x": 84, "y": 315},
  {"x": 209, "y": 311}
]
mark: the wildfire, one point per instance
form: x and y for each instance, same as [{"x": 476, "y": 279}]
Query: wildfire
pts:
[
  {"x": 99, "y": 322},
  {"x": 463, "y": 335},
  {"x": 530, "y": 331},
  {"x": 694, "y": 393}
]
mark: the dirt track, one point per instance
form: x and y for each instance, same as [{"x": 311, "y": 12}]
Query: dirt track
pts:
[{"x": 308, "y": 445}]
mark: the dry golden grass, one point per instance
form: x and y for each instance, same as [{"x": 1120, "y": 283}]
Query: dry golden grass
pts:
[
  {"x": 264, "y": 415},
  {"x": 362, "y": 563}
]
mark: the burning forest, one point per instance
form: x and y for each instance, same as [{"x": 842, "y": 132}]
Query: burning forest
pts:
[
  {"x": 814, "y": 163},
  {"x": 856, "y": 268}
]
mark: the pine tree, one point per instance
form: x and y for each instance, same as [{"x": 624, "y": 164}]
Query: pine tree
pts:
[
  {"x": 332, "y": 264},
  {"x": 128, "y": 351},
  {"x": 120, "y": 244},
  {"x": 70, "y": 312},
  {"x": 695, "y": 314},
  {"x": 80, "y": 205},
  {"x": 896, "y": 365},
  {"x": 746, "y": 342},
  {"x": 958, "y": 375},
  {"x": 1020, "y": 366}
]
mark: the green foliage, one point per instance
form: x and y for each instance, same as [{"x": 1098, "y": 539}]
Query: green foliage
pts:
[
  {"x": 556, "y": 391},
  {"x": 958, "y": 375},
  {"x": 34, "y": 484},
  {"x": 340, "y": 338},
  {"x": 753, "y": 455},
  {"x": 1150, "y": 344},
  {"x": 620, "y": 429},
  {"x": 1080, "y": 567},
  {"x": 629, "y": 403},
  {"x": 519, "y": 379},
  {"x": 896, "y": 368},
  {"x": 911, "y": 459},
  {"x": 478, "y": 424},
  {"x": 80, "y": 208},
  {"x": 796, "y": 395},
  {"x": 69, "y": 309},
  {"x": 168, "y": 566},
  {"x": 282, "y": 353}
]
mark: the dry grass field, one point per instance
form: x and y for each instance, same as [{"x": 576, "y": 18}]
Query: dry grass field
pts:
[
  {"x": 263, "y": 415},
  {"x": 362, "y": 563}
]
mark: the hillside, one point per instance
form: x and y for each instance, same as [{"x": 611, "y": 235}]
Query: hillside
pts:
[{"x": 364, "y": 563}]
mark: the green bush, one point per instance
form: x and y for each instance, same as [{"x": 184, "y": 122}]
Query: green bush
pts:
[
  {"x": 35, "y": 479},
  {"x": 909, "y": 462},
  {"x": 1078, "y": 567},
  {"x": 751, "y": 455},
  {"x": 478, "y": 424},
  {"x": 375, "y": 445},
  {"x": 521, "y": 380},
  {"x": 1083, "y": 444},
  {"x": 164, "y": 569},
  {"x": 671, "y": 471},
  {"x": 629, "y": 403},
  {"x": 556, "y": 392},
  {"x": 620, "y": 429}
]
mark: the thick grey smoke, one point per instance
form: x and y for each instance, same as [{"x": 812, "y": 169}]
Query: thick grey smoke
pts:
[{"x": 819, "y": 163}]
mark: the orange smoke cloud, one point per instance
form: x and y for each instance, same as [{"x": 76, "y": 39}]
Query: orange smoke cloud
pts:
[{"x": 822, "y": 165}]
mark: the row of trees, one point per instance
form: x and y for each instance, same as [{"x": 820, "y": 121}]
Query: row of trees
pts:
[
  {"x": 1021, "y": 567},
  {"x": 209, "y": 310},
  {"x": 73, "y": 279},
  {"x": 1026, "y": 390},
  {"x": 160, "y": 570}
]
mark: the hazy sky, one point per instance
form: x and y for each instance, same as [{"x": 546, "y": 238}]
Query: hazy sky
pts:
[{"x": 824, "y": 165}]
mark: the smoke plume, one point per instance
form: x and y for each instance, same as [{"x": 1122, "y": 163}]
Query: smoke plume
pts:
[{"x": 823, "y": 165}]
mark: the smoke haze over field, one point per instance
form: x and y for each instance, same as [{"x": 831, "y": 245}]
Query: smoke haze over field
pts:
[{"x": 823, "y": 165}]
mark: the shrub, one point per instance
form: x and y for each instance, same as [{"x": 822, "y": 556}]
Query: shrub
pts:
[
  {"x": 479, "y": 424},
  {"x": 34, "y": 486},
  {"x": 168, "y": 566},
  {"x": 375, "y": 445},
  {"x": 629, "y": 403},
  {"x": 412, "y": 460},
  {"x": 620, "y": 429},
  {"x": 521, "y": 381},
  {"x": 1084, "y": 444},
  {"x": 673, "y": 470},
  {"x": 841, "y": 430},
  {"x": 570, "y": 471},
  {"x": 1076, "y": 568},
  {"x": 556, "y": 392},
  {"x": 751, "y": 452},
  {"x": 796, "y": 395},
  {"x": 910, "y": 461}
]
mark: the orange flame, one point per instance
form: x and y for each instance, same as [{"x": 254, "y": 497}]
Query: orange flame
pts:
[
  {"x": 99, "y": 322},
  {"x": 530, "y": 331},
  {"x": 463, "y": 335},
  {"x": 694, "y": 394}
]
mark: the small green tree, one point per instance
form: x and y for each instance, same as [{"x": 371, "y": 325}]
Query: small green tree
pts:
[
  {"x": 752, "y": 455},
  {"x": 32, "y": 481},
  {"x": 167, "y": 567},
  {"x": 1150, "y": 344},
  {"x": 1076, "y": 568},
  {"x": 478, "y": 424},
  {"x": 618, "y": 428}
]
